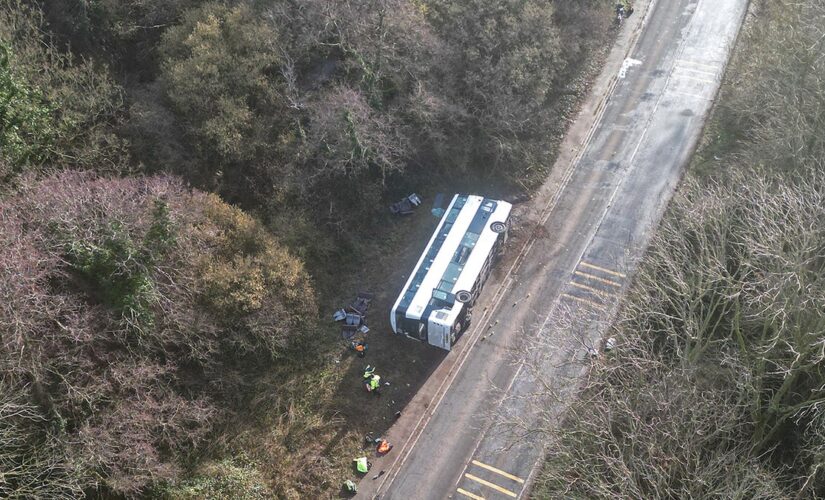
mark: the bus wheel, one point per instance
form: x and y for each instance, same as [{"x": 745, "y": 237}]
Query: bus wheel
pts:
[
  {"x": 464, "y": 296},
  {"x": 498, "y": 227}
]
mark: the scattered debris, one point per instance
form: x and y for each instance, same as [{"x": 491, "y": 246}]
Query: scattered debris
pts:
[
  {"x": 354, "y": 316},
  {"x": 438, "y": 206},
  {"x": 610, "y": 344},
  {"x": 354, "y": 319},
  {"x": 593, "y": 353},
  {"x": 378, "y": 475},
  {"x": 361, "y": 303},
  {"x": 348, "y": 331},
  {"x": 398, "y": 413},
  {"x": 406, "y": 206},
  {"x": 522, "y": 197},
  {"x": 369, "y": 440},
  {"x": 359, "y": 346}
]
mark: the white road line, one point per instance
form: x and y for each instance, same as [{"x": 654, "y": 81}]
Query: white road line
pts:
[
  {"x": 695, "y": 63},
  {"x": 703, "y": 80},
  {"x": 688, "y": 94},
  {"x": 700, "y": 71}
]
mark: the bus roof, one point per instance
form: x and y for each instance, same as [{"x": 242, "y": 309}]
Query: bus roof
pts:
[{"x": 454, "y": 255}]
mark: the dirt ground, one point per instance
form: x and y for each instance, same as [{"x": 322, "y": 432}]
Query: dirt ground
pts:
[{"x": 403, "y": 363}]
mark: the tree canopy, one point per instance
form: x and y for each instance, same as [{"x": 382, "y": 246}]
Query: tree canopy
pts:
[{"x": 132, "y": 311}]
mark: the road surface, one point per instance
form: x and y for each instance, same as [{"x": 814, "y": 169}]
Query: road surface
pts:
[{"x": 592, "y": 221}]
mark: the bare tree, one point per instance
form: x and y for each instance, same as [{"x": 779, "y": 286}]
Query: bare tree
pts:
[{"x": 721, "y": 344}]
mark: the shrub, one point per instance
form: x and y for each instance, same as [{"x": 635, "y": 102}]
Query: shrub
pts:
[
  {"x": 54, "y": 109},
  {"x": 134, "y": 314},
  {"x": 224, "y": 480},
  {"x": 221, "y": 74}
]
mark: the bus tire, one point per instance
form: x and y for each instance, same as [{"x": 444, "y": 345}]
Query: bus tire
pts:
[
  {"x": 463, "y": 296},
  {"x": 498, "y": 227}
]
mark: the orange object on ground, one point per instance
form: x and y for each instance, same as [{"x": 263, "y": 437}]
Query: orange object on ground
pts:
[{"x": 384, "y": 446}]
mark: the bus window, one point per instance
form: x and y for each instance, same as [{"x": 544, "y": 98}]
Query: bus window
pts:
[{"x": 461, "y": 255}]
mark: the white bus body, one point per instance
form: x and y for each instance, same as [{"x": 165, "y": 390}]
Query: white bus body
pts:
[{"x": 436, "y": 303}]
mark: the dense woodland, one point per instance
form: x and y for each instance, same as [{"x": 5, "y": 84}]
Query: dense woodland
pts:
[
  {"x": 179, "y": 183},
  {"x": 717, "y": 386}
]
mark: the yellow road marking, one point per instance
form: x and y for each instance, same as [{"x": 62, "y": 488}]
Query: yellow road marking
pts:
[
  {"x": 594, "y": 277},
  {"x": 584, "y": 301},
  {"x": 701, "y": 71},
  {"x": 468, "y": 494},
  {"x": 590, "y": 289},
  {"x": 703, "y": 80},
  {"x": 498, "y": 471},
  {"x": 608, "y": 271},
  {"x": 685, "y": 61},
  {"x": 491, "y": 485}
]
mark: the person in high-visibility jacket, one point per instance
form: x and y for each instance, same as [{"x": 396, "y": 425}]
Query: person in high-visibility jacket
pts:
[
  {"x": 374, "y": 384},
  {"x": 350, "y": 486},
  {"x": 361, "y": 465}
]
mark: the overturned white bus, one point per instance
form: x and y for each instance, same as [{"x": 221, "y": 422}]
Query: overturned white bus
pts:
[{"x": 435, "y": 305}]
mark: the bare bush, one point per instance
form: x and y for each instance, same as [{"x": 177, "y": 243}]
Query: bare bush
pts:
[
  {"x": 716, "y": 381},
  {"x": 351, "y": 138},
  {"x": 57, "y": 110},
  {"x": 134, "y": 313},
  {"x": 771, "y": 109}
]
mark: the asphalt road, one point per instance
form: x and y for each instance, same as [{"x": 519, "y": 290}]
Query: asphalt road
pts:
[{"x": 467, "y": 434}]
